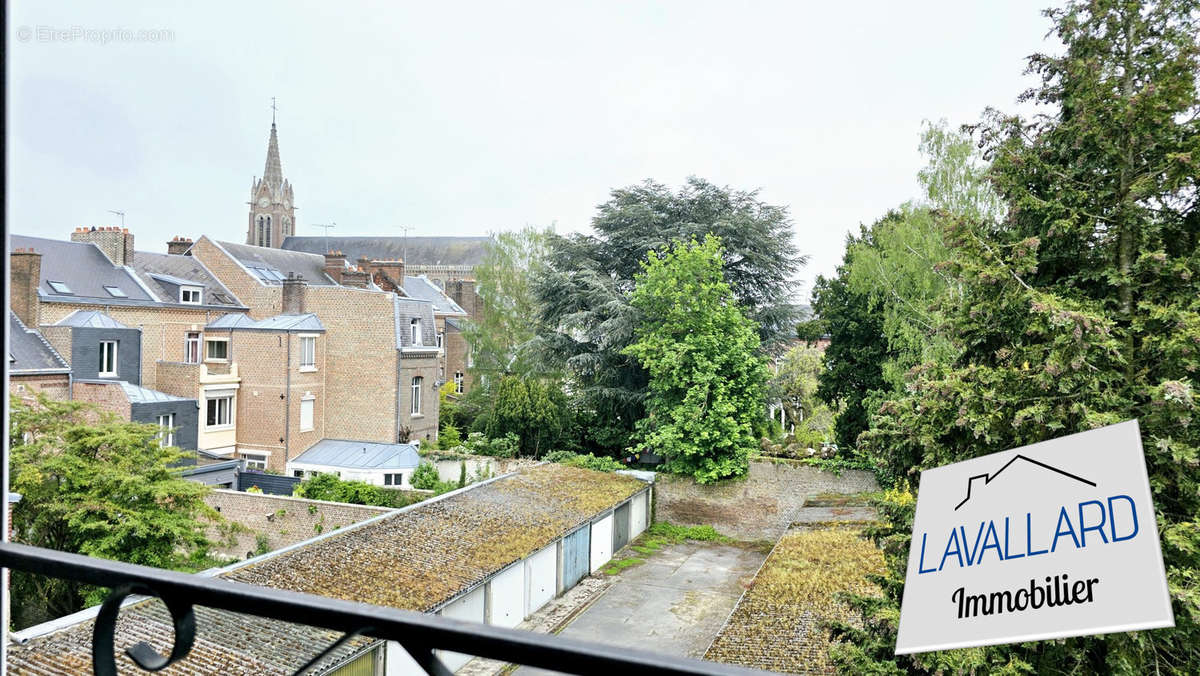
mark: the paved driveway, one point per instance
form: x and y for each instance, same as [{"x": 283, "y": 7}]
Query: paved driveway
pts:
[{"x": 675, "y": 603}]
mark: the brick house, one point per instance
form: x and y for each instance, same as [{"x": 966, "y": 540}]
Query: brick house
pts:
[
  {"x": 357, "y": 361},
  {"x": 33, "y": 365}
]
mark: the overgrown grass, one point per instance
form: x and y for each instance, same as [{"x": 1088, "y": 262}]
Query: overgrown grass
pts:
[{"x": 617, "y": 565}]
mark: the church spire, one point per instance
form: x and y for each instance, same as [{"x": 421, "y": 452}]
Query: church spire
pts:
[{"x": 273, "y": 173}]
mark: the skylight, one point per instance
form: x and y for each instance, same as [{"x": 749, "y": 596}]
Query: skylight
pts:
[
  {"x": 59, "y": 287},
  {"x": 115, "y": 292}
]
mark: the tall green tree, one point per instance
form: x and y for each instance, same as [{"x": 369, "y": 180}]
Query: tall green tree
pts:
[
  {"x": 534, "y": 410},
  {"x": 702, "y": 354},
  {"x": 499, "y": 338},
  {"x": 793, "y": 383},
  {"x": 91, "y": 484},
  {"x": 584, "y": 294},
  {"x": 1079, "y": 310}
]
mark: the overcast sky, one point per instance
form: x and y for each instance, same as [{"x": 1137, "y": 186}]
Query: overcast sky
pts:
[{"x": 465, "y": 118}]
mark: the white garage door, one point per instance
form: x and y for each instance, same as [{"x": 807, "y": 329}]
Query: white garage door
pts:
[
  {"x": 637, "y": 520},
  {"x": 506, "y": 593},
  {"x": 470, "y": 608},
  {"x": 541, "y": 578},
  {"x": 601, "y": 542}
]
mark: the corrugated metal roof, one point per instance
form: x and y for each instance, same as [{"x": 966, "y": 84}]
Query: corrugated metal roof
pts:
[
  {"x": 29, "y": 352},
  {"x": 84, "y": 269},
  {"x": 272, "y": 265},
  {"x": 90, "y": 319},
  {"x": 304, "y": 322},
  {"x": 423, "y": 289},
  {"x": 360, "y": 455}
]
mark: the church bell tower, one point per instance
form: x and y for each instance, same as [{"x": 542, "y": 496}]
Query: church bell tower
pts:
[{"x": 272, "y": 212}]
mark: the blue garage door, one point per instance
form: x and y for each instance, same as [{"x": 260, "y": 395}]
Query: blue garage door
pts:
[
  {"x": 620, "y": 527},
  {"x": 576, "y": 557}
]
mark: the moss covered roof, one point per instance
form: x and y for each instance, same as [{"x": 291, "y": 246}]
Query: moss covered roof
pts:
[
  {"x": 425, "y": 556},
  {"x": 778, "y": 623}
]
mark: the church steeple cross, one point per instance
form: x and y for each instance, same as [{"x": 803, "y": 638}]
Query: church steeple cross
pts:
[{"x": 273, "y": 109}]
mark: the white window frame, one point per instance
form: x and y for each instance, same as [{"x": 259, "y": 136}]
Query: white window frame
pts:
[
  {"x": 393, "y": 478},
  {"x": 185, "y": 291},
  {"x": 308, "y": 352},
  {"x": 414, "y": 332},
  {"x": 311, "y": 402},
  {"x": 458, "y": 382},
  {"x": 190, "y": 344},
  {"x": 115, "y": 291},
  {"x": 255, "y": 460},
  {"x": 108, "y": 359},
  {"x": 417, "y": 383},
  {"x": 60, "y": 287},
  {"x": 229, "y": 412},
  {"x": 166, "y": 427},
  {"x": 219, "y": 360},
  {"x": 441, "y": 340}
]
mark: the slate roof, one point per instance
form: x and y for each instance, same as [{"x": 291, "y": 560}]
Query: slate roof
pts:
[
  {"x": 144, "y": 395},
  {"x": 419, "y": 250},
  {"x": 28, "y": 351},
  {"x": 271, "y": 266},
  {"x": 405, "y": 310},
  {"x": 304, "y": 322},
  {"x": 360, "y": 455},
  {"x": 423, "y": 289},
  {"x": 84, "y": 269},
  {"x": 165, "y": 273},
  {"x": 90, "y": 319}
]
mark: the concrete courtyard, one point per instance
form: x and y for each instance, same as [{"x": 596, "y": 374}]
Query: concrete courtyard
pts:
[{"x": 675, "y": 603}]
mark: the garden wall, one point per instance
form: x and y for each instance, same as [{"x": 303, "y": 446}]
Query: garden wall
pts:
[
  {"x": 760, "y": 506},
  {"x": 283, "y": 520}
]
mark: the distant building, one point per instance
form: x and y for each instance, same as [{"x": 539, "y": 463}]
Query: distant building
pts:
[
  {"x": 374, "y": 463},
  {"x": 272, "y": 213}
]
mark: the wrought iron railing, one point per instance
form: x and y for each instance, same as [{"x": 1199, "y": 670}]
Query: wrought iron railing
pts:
[{"x": 419, "y": 633}]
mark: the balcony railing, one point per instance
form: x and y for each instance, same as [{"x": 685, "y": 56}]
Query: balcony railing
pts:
[{"x": 419, "y": 633}]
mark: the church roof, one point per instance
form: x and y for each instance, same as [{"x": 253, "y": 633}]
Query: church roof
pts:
[
  {"x": 273, "y": 172},
  {"x": 419, "y": 250}
]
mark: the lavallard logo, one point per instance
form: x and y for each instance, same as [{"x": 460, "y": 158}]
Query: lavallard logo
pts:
[{"x": 1051, "y": 540}]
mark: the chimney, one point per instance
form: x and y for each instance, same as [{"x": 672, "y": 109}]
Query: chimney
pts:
[
  {"x": 116, "y": 243},
  {"x": 387, "y": 275},
  {"x": 179, "y": 246},
  {"x": 293, "y": 294},
  {"x": 25, "y": 277},
  {"x": 335, "y": 265},
  {"x": 355, "y": 277}
]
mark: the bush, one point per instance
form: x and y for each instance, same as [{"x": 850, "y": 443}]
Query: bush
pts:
[
  {"x": 425, "y": 477},
  {"x": 330, "y": 487},
  {"x": 589, "y": 461}
]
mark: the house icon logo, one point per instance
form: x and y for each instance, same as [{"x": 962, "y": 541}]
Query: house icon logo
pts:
[{"x": 988, "y": 478}]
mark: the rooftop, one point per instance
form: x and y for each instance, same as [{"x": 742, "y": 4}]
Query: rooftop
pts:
[
  {"x": 360, "y": 455},
  {"x": 28, "y": 351},
  {"x": 304, "y": 322},
  {"x": 166, "y": 273},
  {"x": 423, "y": 289},
  {"x": 414, "y": 250},
  {"x": 81, "y": 272},
  {"x": 271, "y": 266},
  {"x": 422, "y": 557},
  {"x": 90, "y": 319}
]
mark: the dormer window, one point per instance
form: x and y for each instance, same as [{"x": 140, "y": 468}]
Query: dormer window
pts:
[
  {"x": 189, "y": 295},
  {"x": 415, "y": 331},
  {"x": 59, "y": 287},
  {"x": 116, "y": 292}
]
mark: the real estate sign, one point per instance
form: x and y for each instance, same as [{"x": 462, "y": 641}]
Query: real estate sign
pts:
[{"x": 1046, "y": 541}]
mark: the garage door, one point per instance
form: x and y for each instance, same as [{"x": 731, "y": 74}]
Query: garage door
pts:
[
  {"x": 602, "y": 533},
  {"x": 506, "y": 596},
  {"x": 470, "y": 608},
  {"x": 637, "y": 517},
  {"x": 541, "y": 578},
  {"x": 576, "y": 557},
  {"x": 620, "y": 527}
]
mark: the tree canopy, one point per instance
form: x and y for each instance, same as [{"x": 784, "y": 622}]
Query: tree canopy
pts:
[{"x": 702, "y": 356}]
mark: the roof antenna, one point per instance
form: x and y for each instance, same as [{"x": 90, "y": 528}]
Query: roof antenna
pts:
[
  {"x": 327, "y": 226},
  {"x": 404, "y": 254},
  {"x": 121, "y": 214}
]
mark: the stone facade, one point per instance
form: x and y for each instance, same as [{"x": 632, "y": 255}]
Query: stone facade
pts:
[
  {"x": 761, "y": 506},
  {"x": 272, "y": 213}
]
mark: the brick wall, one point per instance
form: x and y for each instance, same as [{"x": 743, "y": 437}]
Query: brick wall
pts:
[
  {"x": 456, "y": 357},
  {"x": 53, "y": 386},
  {"x": 761, "y": 506},
  {"x": 177, "y": 378},
  {"x": 282, "y": 520},
  {"x": 109, "y": 397}
]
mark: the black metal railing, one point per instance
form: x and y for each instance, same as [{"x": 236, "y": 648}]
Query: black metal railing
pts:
[{"x": 419, "y": 633}]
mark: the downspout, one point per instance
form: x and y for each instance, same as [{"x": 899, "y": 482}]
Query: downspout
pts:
[
  {"x": 397, "y": 399},
  {"x": 287, "y": 411}
]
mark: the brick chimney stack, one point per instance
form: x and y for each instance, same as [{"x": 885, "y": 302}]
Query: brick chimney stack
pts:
[
  {"x": 335, "y": 265},
  {"x": 356, "y": 277},
  {"x": 293, "y": 294},
  {"x": 179, "y": 246},
  {"x": 387, "y": 275},
  {"x": 25, "y": 275},
  {"x": 116, "y": 243}
]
